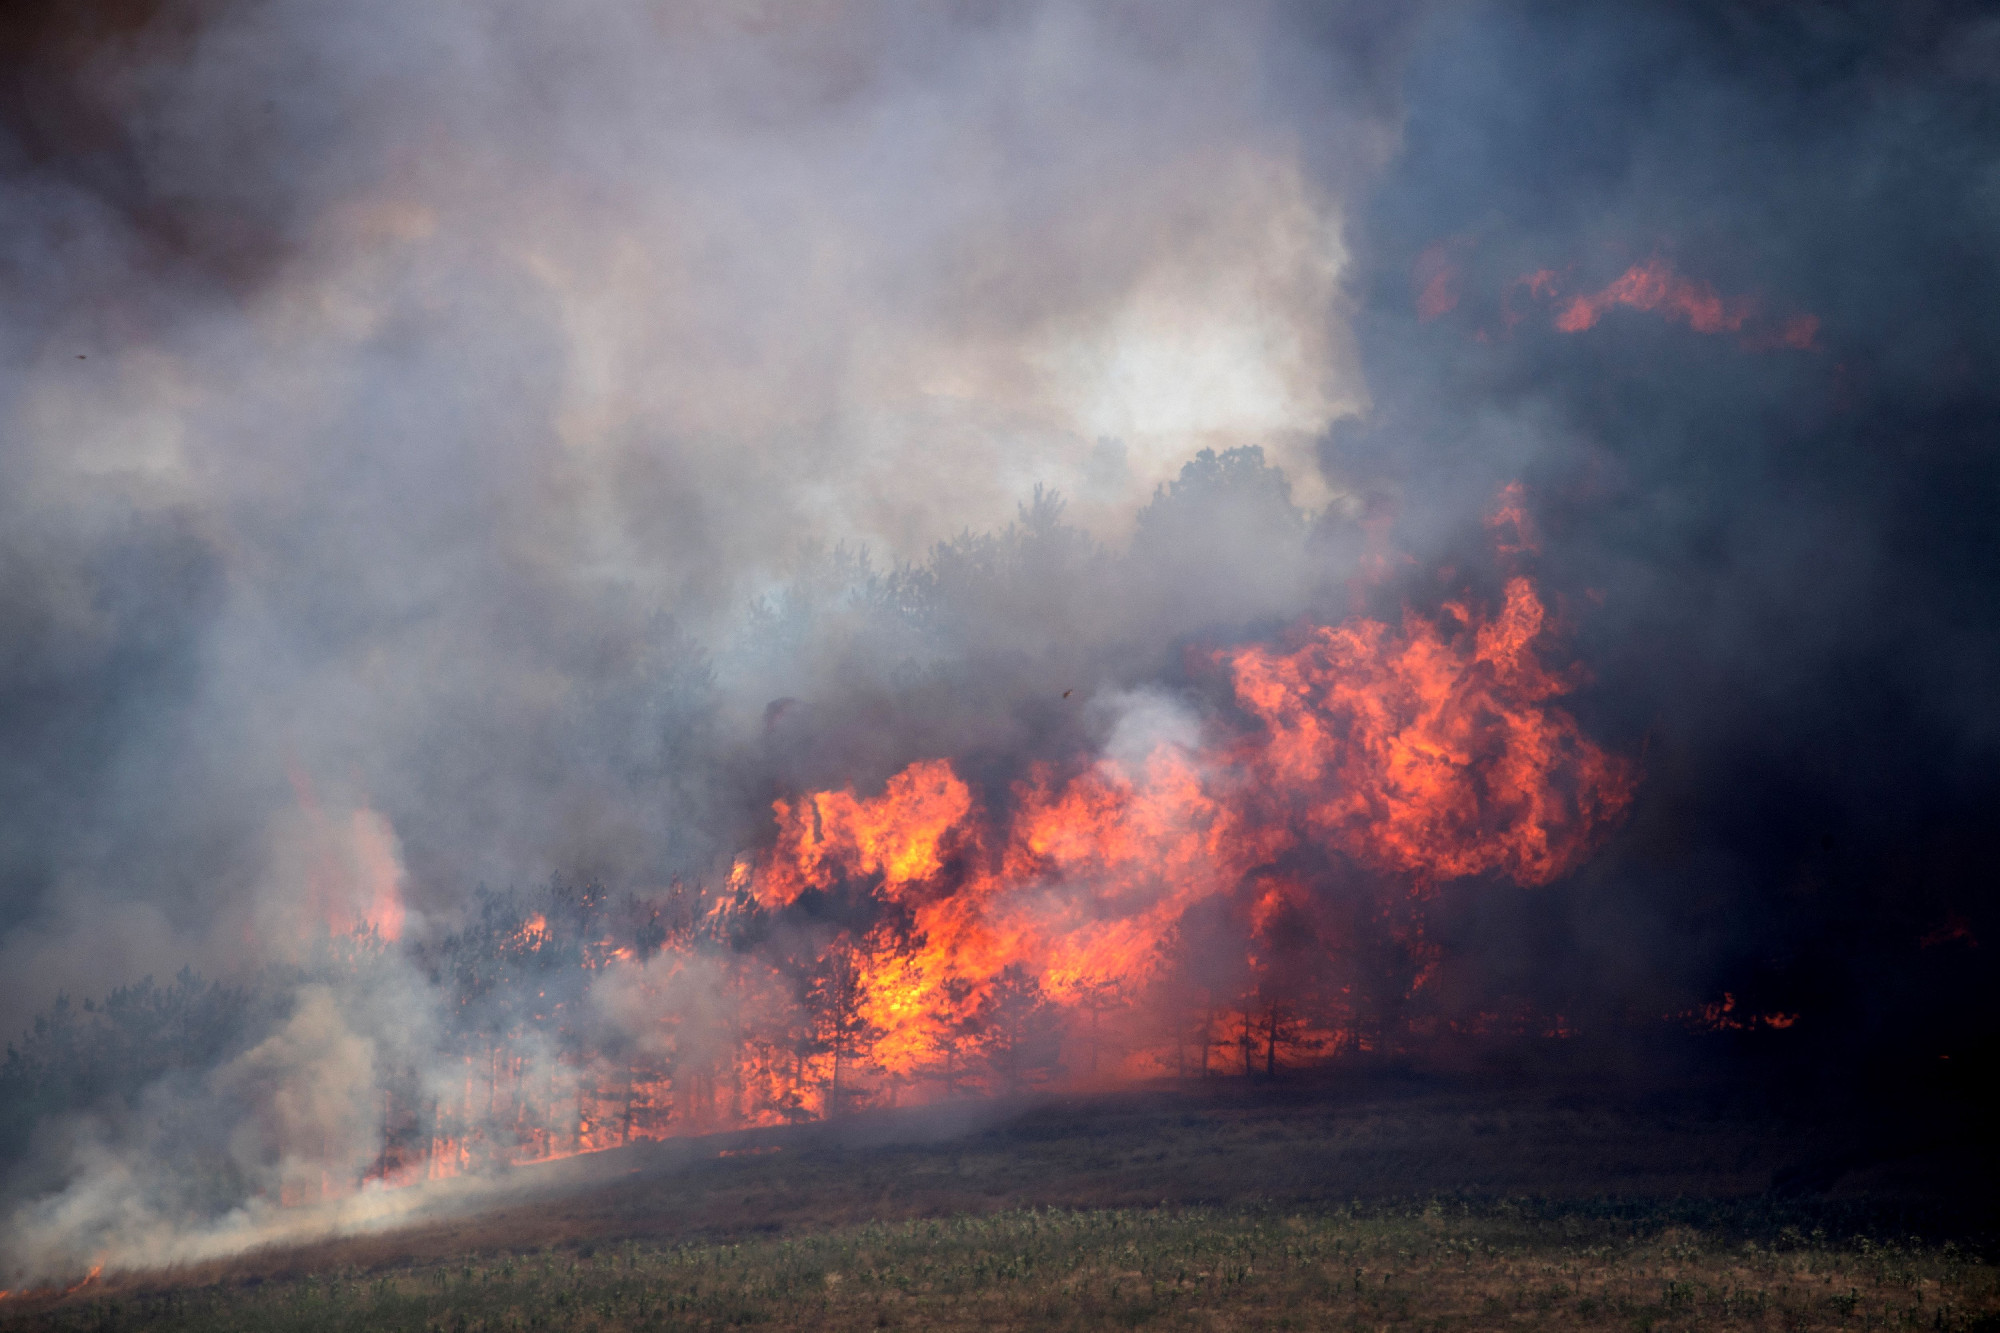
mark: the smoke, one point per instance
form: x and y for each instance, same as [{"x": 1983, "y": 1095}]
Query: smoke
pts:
[
  {"x": 433, "y": 436},
  {"x": 206, "y": 1161},
  {"x": 414, "y": 401},
  {"x": 448, "y": 446},
  {"x": 1705, "y": 280}
]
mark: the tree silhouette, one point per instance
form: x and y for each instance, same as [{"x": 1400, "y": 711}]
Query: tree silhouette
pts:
[
  {"x": 1280, "y": 1028},
  {"x": 1097, "y": 997},
  {"x": 957, "y": 1032},
  {"x": 834, "y": 998},
  {"x": 1019, "y": 1029}
]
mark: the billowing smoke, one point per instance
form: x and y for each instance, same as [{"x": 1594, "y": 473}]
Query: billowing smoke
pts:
[
  {"x": 1714, "y": 284},
  {"x": 1492, "y": 497},
  {"x": 415, "y": 402}
]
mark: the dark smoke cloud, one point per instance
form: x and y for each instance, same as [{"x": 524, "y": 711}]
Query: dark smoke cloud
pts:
[{"x": 1779, "y": 559}]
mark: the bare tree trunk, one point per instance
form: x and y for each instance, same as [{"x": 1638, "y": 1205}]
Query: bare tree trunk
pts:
[{"x": 736, "y": 1098}]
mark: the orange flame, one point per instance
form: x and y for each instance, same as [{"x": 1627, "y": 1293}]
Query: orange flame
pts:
[
  {"x": 1425, "y": 755},
  {"x": 353, "y": 869},
  {"x": 1654, "y": 285},
  {"x": 1436, "y": 278},
  {"x": 1431, "y": 756},
  {"x": 1723, "y": 1016},
  {"x": 1192, "y": 904},
  {"x": 899, "y": 835}
]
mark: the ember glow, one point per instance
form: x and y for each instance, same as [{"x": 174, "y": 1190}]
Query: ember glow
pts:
[
  {"x": 1185, "y": 903},
  {"x": 1724, "y": 1015},
  {"x": 1654, "y": 287},
  {"x": 350, "y": 864}
]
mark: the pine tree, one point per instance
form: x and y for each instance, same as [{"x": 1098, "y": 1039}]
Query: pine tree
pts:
[
  {"x": 835, "y": 999},
  {"x": 1020, "y": 1029}
]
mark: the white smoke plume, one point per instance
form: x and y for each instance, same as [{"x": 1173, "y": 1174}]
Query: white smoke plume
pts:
[
  {"x": 422, "y": 389},
  {"x": 427, "y": 428}
]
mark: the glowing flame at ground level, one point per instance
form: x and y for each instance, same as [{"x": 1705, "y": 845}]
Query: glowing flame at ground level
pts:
[{"x": 1238, "y": 896}]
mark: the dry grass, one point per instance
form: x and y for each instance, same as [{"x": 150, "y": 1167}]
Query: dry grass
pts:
[
  {"x": 1391, "y": 1203},
  {"x": 1436, "y": 1266}
]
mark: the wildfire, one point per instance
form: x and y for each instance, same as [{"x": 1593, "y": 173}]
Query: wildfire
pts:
[
  {"x": 1432, "y": 755},
  {"x": 1654, "y": 287},
  {"x": 899, "y": 836},
  {"x": 74, "y": 1287},
  {"x": 1723, "y": 1016},
  {"x": 1242, "y": 892},
  {"x": 352, "y": 866},
  {"x": 1425, "y": 753}
]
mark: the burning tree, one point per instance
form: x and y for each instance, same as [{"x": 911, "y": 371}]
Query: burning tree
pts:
[
  {"x": 1020, "y": 1030},
  {"x": 1245, "y": 894},
  {"x": 956, "y": 1035},
  {"x": 840, "y": 1030}
]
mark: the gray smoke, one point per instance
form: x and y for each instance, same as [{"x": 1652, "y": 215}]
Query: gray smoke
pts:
[
  {"x": 435, "y": 436},
  {"x": 452, "y": 444},
  {"x": 1776, "y": 550},
  {"x": 406, "y": 406}
]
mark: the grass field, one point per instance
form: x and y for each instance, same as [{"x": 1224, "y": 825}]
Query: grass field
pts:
[
  {"x": 1436, "y": 1266},
  {"x": 1397, "y": 1205}
]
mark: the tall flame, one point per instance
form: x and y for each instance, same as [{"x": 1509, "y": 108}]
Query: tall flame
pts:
[
  {"x": 1425, "y": 755},
  {"x": 1431, "y": 755},
  {"x": 1249, "y": 891}
]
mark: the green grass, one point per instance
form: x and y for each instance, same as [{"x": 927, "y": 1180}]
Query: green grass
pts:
[{"x": 1433, "y": 1266}]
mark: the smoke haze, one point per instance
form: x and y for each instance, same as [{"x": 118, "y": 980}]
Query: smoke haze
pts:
[
  {"x": 394, "y": 399},
  {"x": 452, "y": 445}
]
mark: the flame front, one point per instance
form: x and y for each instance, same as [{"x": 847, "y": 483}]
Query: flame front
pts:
[
  {"x": 1429, "y": 755},
  {"x": 1244, "y": 894},
  {"x": 1418, "y": 756},
  {"x": 832, "y": 835}
]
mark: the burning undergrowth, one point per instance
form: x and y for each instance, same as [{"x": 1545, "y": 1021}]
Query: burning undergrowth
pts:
[
  {"x": 1231, "y": 876},
  {"x": 1576, "y": 617}
]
